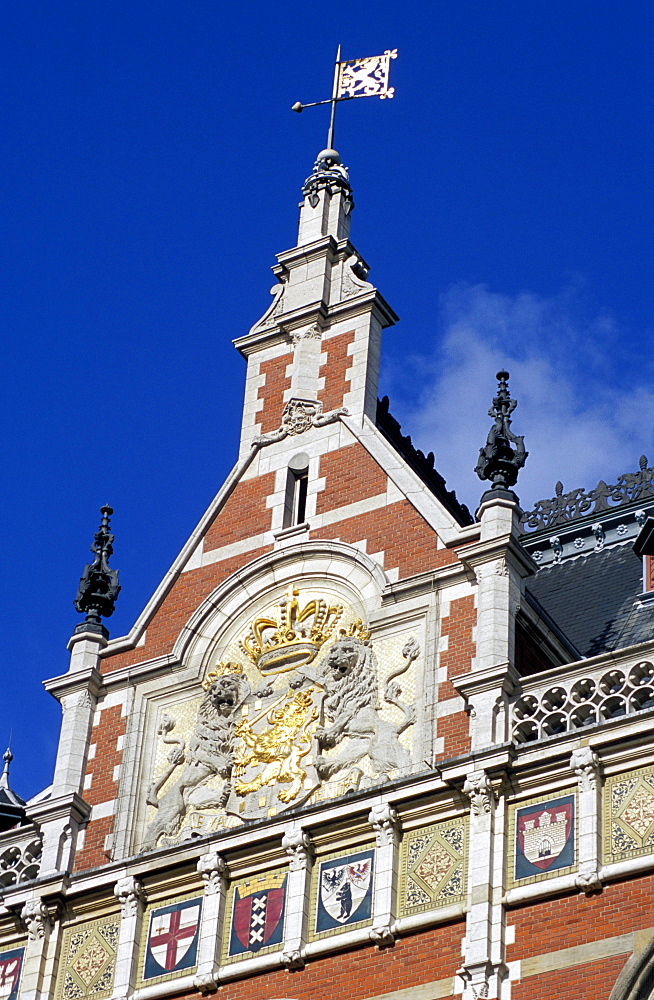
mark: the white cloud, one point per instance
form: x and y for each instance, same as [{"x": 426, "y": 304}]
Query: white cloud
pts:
[{"x": 585, "y": 413}]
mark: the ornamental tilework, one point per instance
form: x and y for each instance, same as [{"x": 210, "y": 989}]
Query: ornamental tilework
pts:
[
  {"x": 170, "y": 939},
  {"x": 256, "y": 908},
  {"x": 542, "y": 838},
  {"x": 88, "y": 960},
  {"x": 628, "y": 815},
  {"x": 433, "y": 867},
  {"x": 341, "y": 893}
]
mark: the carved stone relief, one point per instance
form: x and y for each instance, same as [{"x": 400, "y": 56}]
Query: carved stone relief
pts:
[
  {"x": 299, "y": 416},
  {"x": 301, "y": 708}
]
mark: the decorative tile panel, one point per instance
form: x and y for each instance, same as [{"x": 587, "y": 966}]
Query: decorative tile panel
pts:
[
  {"x": 342, "y": 892},
  {"x": 542, "y": 838},
  {"x": 88, "y": 960},
  {"x": 628, "y": 815},
  {"x": 433, "y": 867},
  {"x": 11, "y": 966},
  {"x": 256, "y": 908},
  {"x": 171, "y": 939}
]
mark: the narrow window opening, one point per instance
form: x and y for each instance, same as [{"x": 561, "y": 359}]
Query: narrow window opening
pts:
[
  {"x": 301, "y": 486},
  {"x": 297, "y": 486}
]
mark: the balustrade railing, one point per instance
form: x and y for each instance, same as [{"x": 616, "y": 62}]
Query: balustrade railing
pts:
[
  {"x": 20, "y": 855},
  {"x": 581, "y": 698}
]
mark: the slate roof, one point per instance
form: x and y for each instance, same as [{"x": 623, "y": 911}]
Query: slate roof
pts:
[
  {"x": 421, "y": 464},
  {"x": 594, "y": 599}
]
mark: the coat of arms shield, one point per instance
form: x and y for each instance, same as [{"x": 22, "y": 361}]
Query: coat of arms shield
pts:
[
  {"x": 545, "y": 837},
  {"x": 172, "y": 938},
  {"x": 258, "y": 916},
  {"x": 345, "y": 890}
]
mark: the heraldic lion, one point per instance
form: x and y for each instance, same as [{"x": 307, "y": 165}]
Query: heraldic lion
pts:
[
  {"x": 352, "y": 705},
  {"x": 210, "y": 754}
]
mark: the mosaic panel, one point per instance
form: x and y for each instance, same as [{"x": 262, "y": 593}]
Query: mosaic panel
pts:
[
  {"x": 542, "y": 838},
  {"x": 256, "y": 908},
  {"x": 433, "y": 867},
  {"x": 11, "y": 966},
  {"x": 628, "y": 815},
  {"x": 341, "y": 892},
  {"x": 170, "y": 945},
  {"x": 88, "y": 960}
]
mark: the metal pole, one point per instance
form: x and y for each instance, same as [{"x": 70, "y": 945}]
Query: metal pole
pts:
[{"x": 337, "y": 67}]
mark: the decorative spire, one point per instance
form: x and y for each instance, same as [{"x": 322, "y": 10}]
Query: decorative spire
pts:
[
  {"x": 98, "y": 586},
  {"x": 12, "y": 807},
  {"x": 4, "y": 777},
  {"x": 498, "y": 461}
]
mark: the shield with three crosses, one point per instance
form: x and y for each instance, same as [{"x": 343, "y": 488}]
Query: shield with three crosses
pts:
[
  {"x": 345, "y": 890},
  {"x": 172, "y": 938},
  {"x": 258, "y": 914},
  {"x": 11, "y": 963}
]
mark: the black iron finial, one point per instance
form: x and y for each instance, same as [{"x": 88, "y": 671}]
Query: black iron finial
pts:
[
  {"x": 498, "y": 461},
  {"x": 98, "y": 586}
]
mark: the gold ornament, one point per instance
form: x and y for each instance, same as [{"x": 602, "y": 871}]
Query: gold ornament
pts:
[
  {"x": 279, "y": 748},
  {"x": 219, "y": 671},
  {"x": 294, "y": 636}
]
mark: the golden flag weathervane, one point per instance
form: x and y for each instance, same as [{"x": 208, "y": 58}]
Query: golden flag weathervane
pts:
[{"x": 355, "y": 78}]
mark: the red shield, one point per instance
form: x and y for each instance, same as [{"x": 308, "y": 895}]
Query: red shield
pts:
[
  {"x": 257, "y": 917},
  {"x": 543, "y": 832}
]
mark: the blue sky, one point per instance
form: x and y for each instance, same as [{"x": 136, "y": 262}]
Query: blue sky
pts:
[{"x": 151, "y": 169}]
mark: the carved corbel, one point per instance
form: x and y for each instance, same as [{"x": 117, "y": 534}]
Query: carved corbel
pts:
[
  {"x": 588, "y": 879},
  {"x": 382, "y": 935},
  {"x": 292, "y": 959},
  {"x": 129, "y": 893},
  {"x": 36, "y": 918},
  {"x": 477, "y": 787},
  {"x": 585, "y": 764},
  {"x": 386, "y": 823},
  {"x": 297, "y": 845},
  {"x": 213, "y": 869}
]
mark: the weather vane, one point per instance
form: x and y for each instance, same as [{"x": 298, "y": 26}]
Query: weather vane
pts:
[{"x": 355, "y": 78}]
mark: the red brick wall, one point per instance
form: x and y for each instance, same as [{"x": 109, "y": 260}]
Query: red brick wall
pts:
[
  {"x": 457, "y": 659},
  {"x": 272, "y": 393},
  {"x": 335, "y": 368},
  {"x": 408, "y": 541},
  {"x": 362, "y": 972},
  {"x": 350, "y": 474},
  {"x": 111, "y": 725},
  {"x": 553, "y": 924},
  {"x": 593, "y": 981}
]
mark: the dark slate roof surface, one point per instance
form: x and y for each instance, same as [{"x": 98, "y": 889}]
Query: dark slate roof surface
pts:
[{"x": 593, "y": 599}]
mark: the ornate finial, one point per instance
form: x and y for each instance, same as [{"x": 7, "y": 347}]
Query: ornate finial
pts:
[
  {"x": 328, "y": 173},
  {"x": 4, "y": 777},
  {"x": 98, "y": 586},
  {"x": 498, "y": 461}
]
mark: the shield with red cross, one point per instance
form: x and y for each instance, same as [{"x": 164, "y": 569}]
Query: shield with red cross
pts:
[
  {"x": 172, "y": 938},
  {"x": 257, "y": 917},
  {"x": 11, "y": 963}
]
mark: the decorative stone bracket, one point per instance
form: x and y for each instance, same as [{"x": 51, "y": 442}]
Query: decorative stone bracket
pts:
[
  {"x": 36, "y": 918},
  {"x": 129, "y": 893},
  {"x": 478, "y": 789}
]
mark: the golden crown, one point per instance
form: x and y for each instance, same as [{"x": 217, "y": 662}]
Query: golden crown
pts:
[
  {"x": 294, "y": 636},
  {"x": 219, "y": 671}
]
